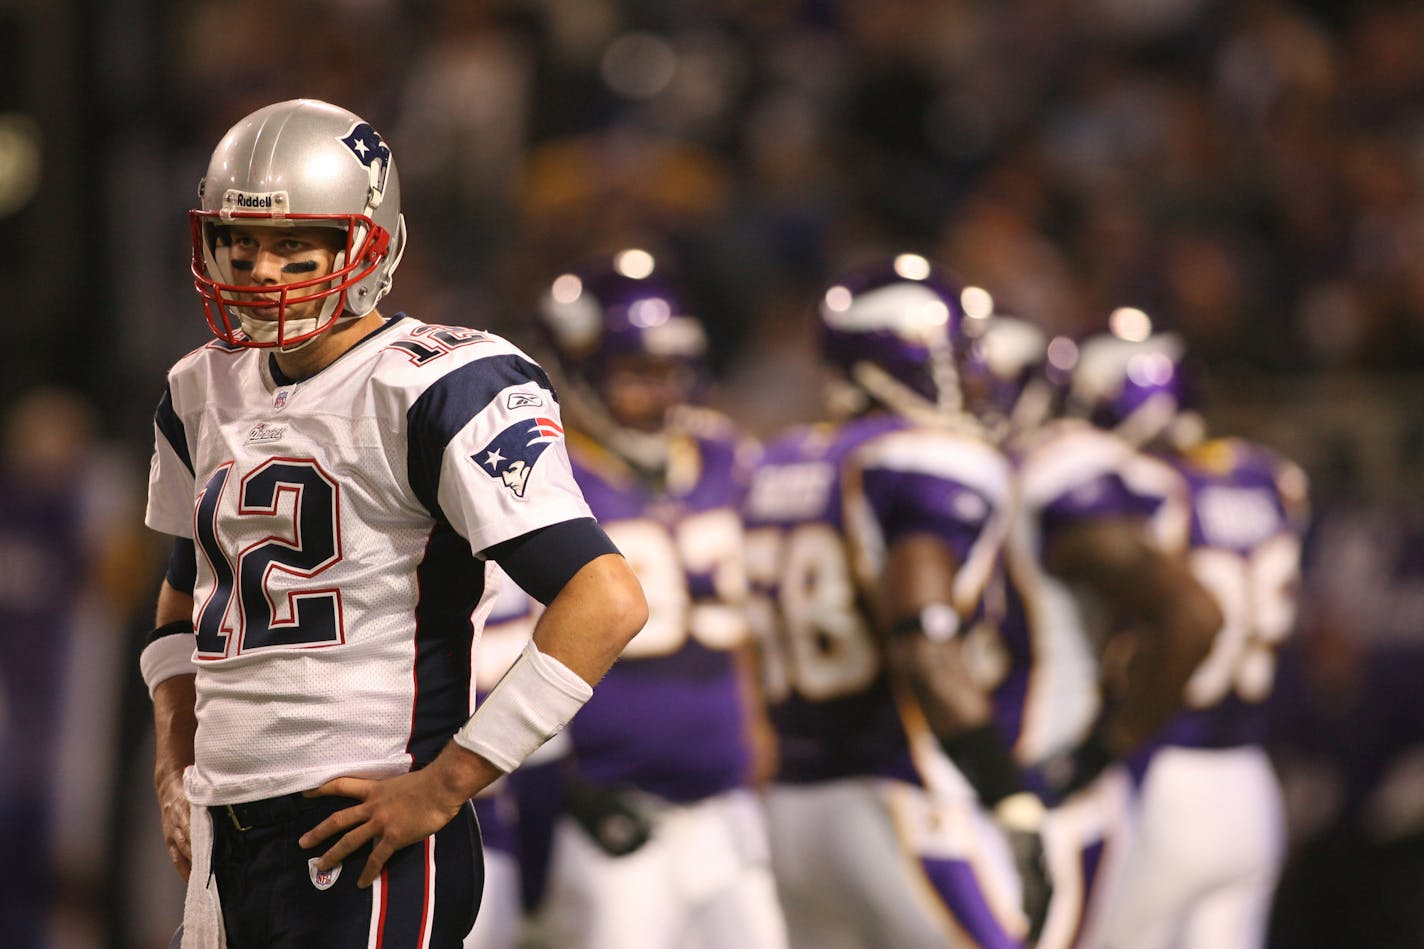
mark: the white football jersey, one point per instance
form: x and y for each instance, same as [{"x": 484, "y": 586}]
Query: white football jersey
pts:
[{"x": 338, "y": 522}]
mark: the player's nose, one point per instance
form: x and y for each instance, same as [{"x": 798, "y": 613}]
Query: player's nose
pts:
[{"x": 266, "y": 267}]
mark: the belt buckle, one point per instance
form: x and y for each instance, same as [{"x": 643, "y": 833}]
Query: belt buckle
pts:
[{"x": 232, "y": 816}]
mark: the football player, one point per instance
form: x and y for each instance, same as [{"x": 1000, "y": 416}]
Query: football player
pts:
[
  {"x": 871, "y": 540},
  {"x": 1209, "y": 823},
  {"x": 1096, "y": 547},
  {"x": 337, "y": 482},
  {"x": 663, "y": 841}
]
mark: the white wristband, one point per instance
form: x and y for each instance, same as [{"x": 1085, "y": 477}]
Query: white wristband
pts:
[
  {"x": 166, "y": 657},
  {"x": 534, "y": 700}
]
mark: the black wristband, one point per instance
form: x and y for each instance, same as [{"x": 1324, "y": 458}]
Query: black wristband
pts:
[
  {"x": 936, "y": 622},
  {"x": 909, "y": 626},
  {"x": 177, "y": 627},
  {"x": 981, "y": 757}
]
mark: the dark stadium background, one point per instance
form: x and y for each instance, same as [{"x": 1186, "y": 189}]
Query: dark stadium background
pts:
[{"x": 1249, "y": 172}]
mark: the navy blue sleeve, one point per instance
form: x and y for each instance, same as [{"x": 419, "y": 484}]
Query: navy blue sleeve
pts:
[
  {"x": 171, "y": 426},
  {"x": 543, "y": 560},
  {"x": 448, "y": 405},
  {"x": 182, "y": 572}
]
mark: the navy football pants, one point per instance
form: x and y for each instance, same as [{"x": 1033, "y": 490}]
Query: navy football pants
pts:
[{"x": 272, "y": 896}]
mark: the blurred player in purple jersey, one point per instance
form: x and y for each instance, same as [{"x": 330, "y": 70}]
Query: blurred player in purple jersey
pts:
[
  {"x": 337, "y": 482},
  {"x": 1095, "y": 548},
  {"x": 47, "y": 567},
  {"x": 897, "y": 816},
  {"x": 1209, "y": 823},
  {"x": 663, "y": 842}
]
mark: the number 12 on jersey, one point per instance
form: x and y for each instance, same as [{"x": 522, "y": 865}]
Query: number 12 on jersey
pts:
[{"x": 286, "y": 521}]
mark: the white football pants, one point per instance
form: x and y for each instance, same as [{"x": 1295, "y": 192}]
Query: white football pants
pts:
[
  {"x": 703, "y": 881},
  {"x": 866, "y": 863},
  {"x": 1209, "y": 839}
]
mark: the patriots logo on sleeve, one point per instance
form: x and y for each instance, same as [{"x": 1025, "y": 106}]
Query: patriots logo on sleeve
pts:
[{"x": 511, "y": 455}]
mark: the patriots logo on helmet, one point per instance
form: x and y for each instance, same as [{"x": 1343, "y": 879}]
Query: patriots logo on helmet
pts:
[
  {"x": 365, "y": 143},
  {"x": 511, "y": 455}
]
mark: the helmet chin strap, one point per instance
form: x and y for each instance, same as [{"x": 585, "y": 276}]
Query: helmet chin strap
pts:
[
  {"x": 1032, "y": 409},
  {"x": 265, "y": 331},
  {"x": 647, "y": 452},
  {"x": 1149, "y": 420},
  {"x": 904, "y": 401},
  {"x": 845, "y": 399}
]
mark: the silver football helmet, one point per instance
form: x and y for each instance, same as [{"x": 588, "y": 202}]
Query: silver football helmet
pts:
[{"x": 297, "y": 164}]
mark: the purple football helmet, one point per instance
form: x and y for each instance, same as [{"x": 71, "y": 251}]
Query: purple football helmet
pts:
[
  {"x": 895, "y": 331},
  {"x": 617, "y": 308},
  {"x": 1132, "y": 382},
  {"x": 1016, "y": 392},
  {"x": 627, "y": 345}
]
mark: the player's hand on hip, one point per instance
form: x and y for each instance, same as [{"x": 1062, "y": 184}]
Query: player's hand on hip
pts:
[
  {"x": 393, "y": 813},
  {"x": 176, "y": 814},
  {"x": 396, "y": 812}
]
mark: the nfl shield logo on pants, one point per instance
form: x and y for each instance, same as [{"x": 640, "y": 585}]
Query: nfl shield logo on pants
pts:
[{"x": 322, "y": 879}]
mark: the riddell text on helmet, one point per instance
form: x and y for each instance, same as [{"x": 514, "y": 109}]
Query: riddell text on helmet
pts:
[{"x": 253, "y": 201}]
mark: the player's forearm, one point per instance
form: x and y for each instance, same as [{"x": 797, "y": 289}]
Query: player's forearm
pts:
[
  {"x": 925, "y": 650},
  {"x": 576, "y": 640},
  {"x": 175, "y": 722},
  {"x": 1152, "y": 596},
  {"x": 939, "y": 677},
  {"x": 1166, "y": 654}
]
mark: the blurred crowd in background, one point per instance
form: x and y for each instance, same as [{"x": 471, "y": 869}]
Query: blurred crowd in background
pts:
[{"x": 1249, "y": 172}]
